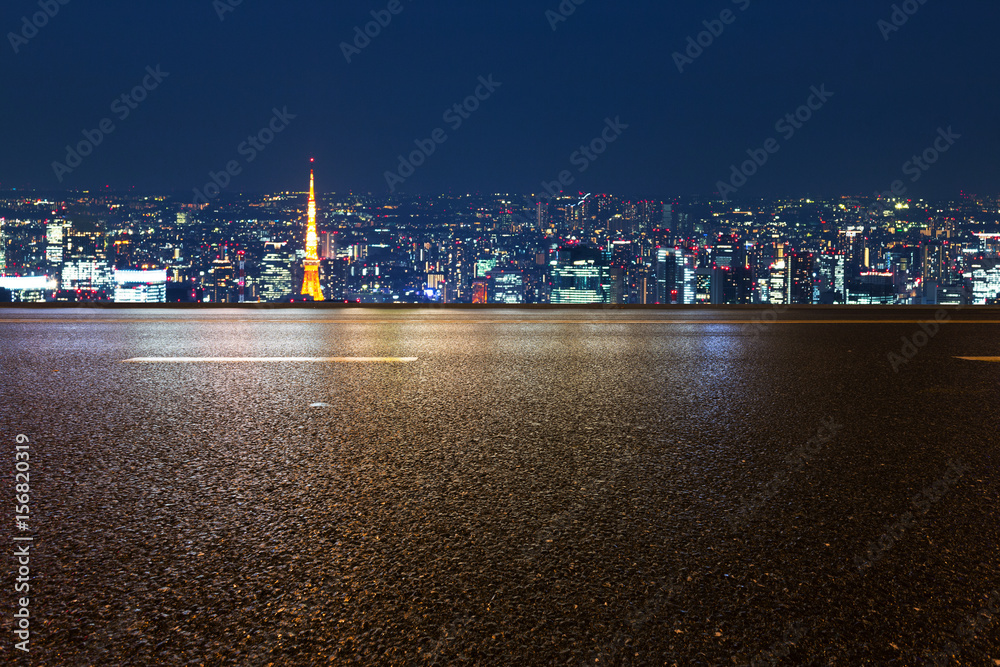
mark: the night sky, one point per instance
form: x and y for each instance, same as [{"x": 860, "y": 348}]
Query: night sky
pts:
[{"x": 557, "y": 88}]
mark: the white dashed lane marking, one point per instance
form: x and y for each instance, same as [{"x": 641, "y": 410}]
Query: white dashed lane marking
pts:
[{"x": 270, "y": 360}]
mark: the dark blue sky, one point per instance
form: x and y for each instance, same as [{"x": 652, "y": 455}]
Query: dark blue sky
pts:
[{"x": 684, "y": 131}]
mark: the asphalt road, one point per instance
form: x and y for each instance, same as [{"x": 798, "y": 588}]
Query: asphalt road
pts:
[{"x": 693, "y": 487}]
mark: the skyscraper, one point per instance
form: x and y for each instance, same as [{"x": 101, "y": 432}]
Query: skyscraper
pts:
[
  {"x": 777, "y": 284},
  {"x": 872, "y": 288},
  {"x": 85, "y": 265},
  {"x": 984, "y": 275},
  {"x": 830, "y": 278},
  {"x": 935, "y": 262},
  {"x": 55, "y": 233},
  {"x": 800, "y": 278},
  {"x": 241, "y": 258},
  {"x": 580, "y": 275},
  {"x": 543, "y": 215},
  {"x": 480, "y": 290},
  {"x": 507, "y": 287},
  {"x": 141, "y": 286},
  {"x": 220, "y": 283},
  {"x": 310, "y": 283},
  {"x": 685, "y": 282},
  {"x": 665, "y": 274},
  {"x": 706, "y": 281},
  {"x": 326, "y": 245},
  {"x": 676, "y": 276},
  {"x": 276, "y": 273}
]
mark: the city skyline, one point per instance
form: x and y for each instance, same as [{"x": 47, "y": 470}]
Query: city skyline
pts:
[{"x": 587, "y": 248}]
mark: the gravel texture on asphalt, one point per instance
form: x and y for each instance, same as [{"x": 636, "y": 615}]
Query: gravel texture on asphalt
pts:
[{"x": 532, "y": 491}]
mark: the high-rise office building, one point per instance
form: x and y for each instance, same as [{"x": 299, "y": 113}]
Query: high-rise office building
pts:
[
  {"x": 241, "y": 276},
  {"x": 777, "y": 283},
  {"x": 830, "y": 284},
  {"x": 872, "y": 288},
  {"x": 85, "y": 273},
  {"x": 480, "y": 290},
  {"x": 703, "y": 286},
  {"x": 623, "y": 272},
  {"x": 935, "y": 262},
  {"x": 221, "y": 283},
  {"x": 676, "y": 276},
  {"x": 647, "y": 287},
  {"x": 800, "y": 278},
  {"x": 727, "y": 252},
  {"x": 623, "y": 252},
  {"x": 851, "y": 242},
  {"x": 140, "y": 286},
  {"x": 85, "y": 266},
  {"x": 435, "y": 280},
  {"x": 685, "y": 263},
  {"x": 665, "y": 276},
  {"x": 618, "y": 277},
  {"x": 327, "y": 246},
  {"x": 484, "y": 266},
  {"x": 579, "y": 274},
  {"x": 276, "y": 273},
  {"x": 55, "y": 233},
  {"x": 28, "y": 289},
  {"x": 951, "y": 295},
  {"x": 737, "y": 284},
  {"x": 984, "y": 276},
  {"x": 733, "y": 271},
  {"x": 462, "y": 270},
  {"x": 934, "y": 272},
  {"x": 649, "y": 215},
  {"x": 507, "y": 287}
]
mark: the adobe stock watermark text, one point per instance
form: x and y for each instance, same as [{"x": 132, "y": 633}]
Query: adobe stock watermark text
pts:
[{"x": 22, "y": 543}]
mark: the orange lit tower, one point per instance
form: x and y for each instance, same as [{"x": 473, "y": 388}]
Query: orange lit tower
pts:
[{"x": 310, "y": 284}]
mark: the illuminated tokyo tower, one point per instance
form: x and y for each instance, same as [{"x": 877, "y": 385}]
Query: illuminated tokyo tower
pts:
[{"x": 310, "y": 284}]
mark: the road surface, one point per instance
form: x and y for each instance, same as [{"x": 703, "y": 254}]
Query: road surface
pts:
[{"x": 417, "y": 487}]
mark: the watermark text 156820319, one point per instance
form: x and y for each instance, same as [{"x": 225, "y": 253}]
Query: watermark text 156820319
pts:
[{"x": 22, "y": 543}]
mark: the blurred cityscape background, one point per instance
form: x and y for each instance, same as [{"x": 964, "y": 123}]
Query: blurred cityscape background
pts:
[{"x": 502, "y": 249}]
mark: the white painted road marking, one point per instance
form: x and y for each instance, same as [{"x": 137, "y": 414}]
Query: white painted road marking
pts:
[
  {"x": 609, "y": 321},
  {"x": 270, "y": 360}
]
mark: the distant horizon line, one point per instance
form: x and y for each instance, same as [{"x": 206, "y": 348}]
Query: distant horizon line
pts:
[{"x": 173, "y": 192}]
